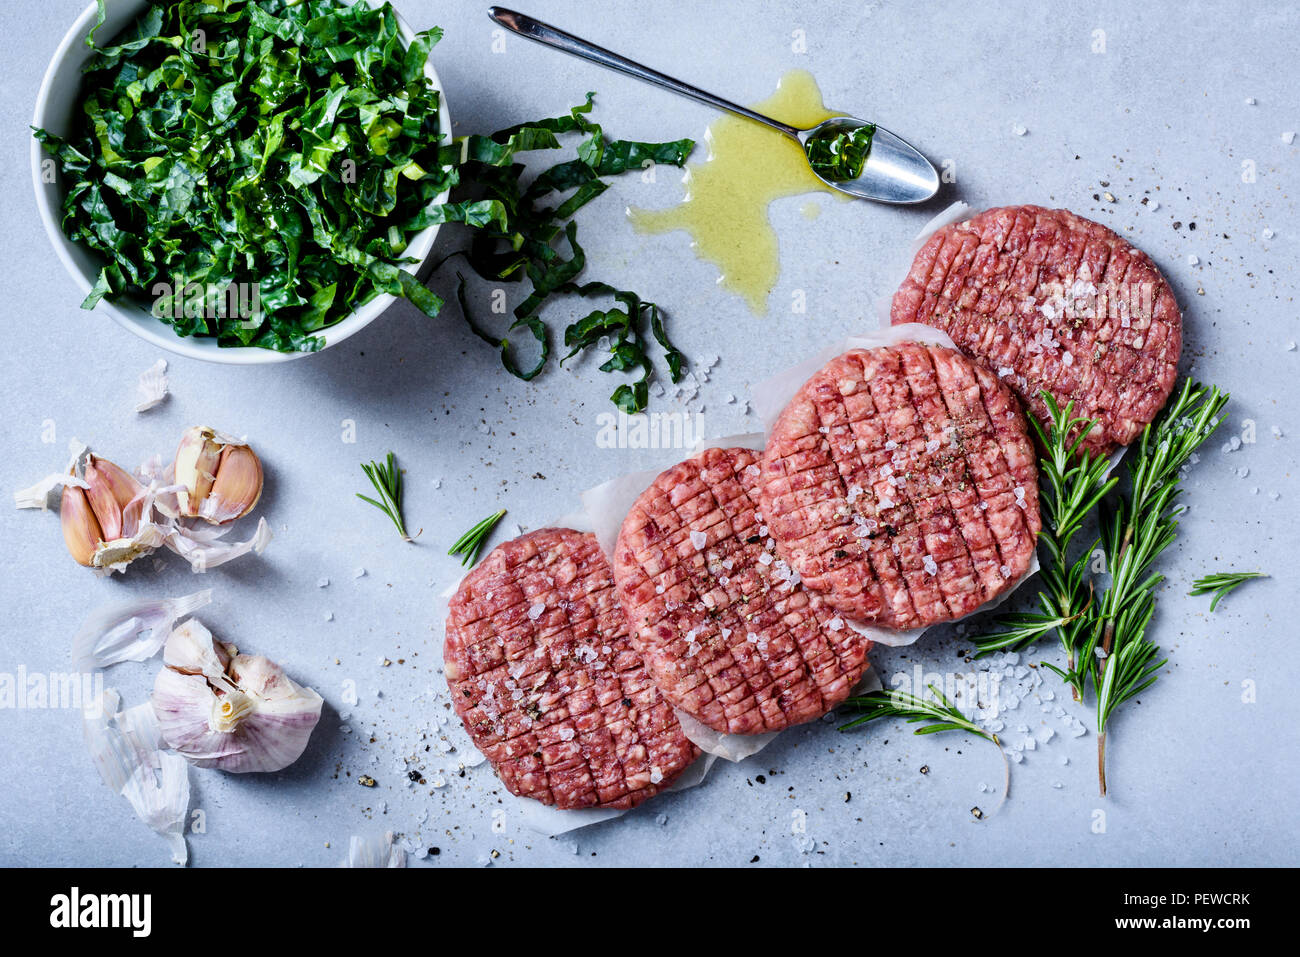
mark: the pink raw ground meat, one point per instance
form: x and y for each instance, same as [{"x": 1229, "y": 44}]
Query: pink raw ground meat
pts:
[
  {"x": 900, "y": 482},
  {"x": 723, "y": 625},
  {"x": 1050, "y": 300},
  {"x": 544, "y": 675}
]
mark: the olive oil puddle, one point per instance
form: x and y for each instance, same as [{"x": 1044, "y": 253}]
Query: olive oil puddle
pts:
[{"x": 725, "y": 207}]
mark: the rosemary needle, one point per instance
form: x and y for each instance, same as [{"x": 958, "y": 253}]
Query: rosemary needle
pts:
[
  {"x": 1221, "y": 583},
  {"x": 471, "y": 543},
  {"x": 387, "y": 480}
]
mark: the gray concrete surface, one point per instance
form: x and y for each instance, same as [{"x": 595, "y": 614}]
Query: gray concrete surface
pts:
[{"x": 1198, "y": 775}]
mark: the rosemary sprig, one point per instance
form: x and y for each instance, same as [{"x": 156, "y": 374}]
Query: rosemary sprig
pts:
[
  {"x": 471, "y": 543},
  {"x": 1071, "y": 485},
  {"x": 1143, "y": 524},
  {"x": 387, "y": 480},
  {"x": 942, "y": 714},
  {"x": 1220, "y": 583},
  {"x": 901, "y": 704},
  {"x": 1104, "y": 630}
]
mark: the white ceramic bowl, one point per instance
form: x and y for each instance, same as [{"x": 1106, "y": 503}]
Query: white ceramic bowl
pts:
[{"x": 54, "y": 112}]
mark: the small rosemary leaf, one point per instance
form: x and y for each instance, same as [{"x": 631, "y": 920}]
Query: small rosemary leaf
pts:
[
  {"x": 387, "y": 480},
  {"x": 470, "y": 544}
]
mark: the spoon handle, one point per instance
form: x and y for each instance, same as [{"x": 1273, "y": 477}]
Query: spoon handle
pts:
[{"x": 546, "y": 34}]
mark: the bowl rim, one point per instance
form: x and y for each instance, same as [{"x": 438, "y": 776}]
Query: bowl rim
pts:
[{"x": 157, "y": 332}]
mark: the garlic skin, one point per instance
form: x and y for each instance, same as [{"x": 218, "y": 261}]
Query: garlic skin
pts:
[
  {"x": 152, "y": 386},
  {"x": 100, "y": 517},
  {"x": 220, "y": 477},
  {"x": 234, "y": 712}
]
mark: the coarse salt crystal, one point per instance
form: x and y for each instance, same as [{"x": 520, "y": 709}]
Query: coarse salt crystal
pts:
[
  {"x": 930, "y": 567},
  {"x": 698, "y": 539},
  {"x": 535, "y": 611},
  {"x": 835, "y": 624}
]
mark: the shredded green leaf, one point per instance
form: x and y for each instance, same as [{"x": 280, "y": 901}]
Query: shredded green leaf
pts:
[
  {"x": 283, "y": 150},
  {"x": 522, "y": 238},
  {"x": 839, "y": 154}
]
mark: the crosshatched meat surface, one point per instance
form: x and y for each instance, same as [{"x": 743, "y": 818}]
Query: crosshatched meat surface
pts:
[
  {"x": 723, "y": 624},
  {"x": 900, "y": 482},
  {"x": 1050, "y": 300},
  {"x": 543, "y": 673}
]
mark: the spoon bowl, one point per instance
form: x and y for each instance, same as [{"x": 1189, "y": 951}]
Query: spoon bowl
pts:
[{"x": 895, "y": 172}]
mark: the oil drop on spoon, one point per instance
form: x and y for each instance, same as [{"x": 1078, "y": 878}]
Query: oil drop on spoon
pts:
[{"x": 725, "y": 207}]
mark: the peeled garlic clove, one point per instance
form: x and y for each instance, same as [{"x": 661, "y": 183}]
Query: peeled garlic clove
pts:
[
  {"x": 81, "y": 532},
  {"x": 248, "y": 717},
  {"x": 237, "y": 487},
  {"x": 220, "y": 478},
  {"x": 196, "y": 467},
  {"x": 111, "y": 490}
]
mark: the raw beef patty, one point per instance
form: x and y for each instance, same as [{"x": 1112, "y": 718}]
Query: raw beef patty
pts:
[
  {"x": 1052, "y": 301},
  {"x": 725, "y": 629},
  {"x": 544, "y": 675},
  {"x": 900, "y": 482}
]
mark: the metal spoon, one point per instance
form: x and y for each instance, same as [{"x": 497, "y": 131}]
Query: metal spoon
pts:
[{"x": 895, "y": 172}]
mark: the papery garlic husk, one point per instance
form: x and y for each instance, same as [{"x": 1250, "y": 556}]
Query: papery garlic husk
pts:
[
  {"x": 220, "y": 476},
  {"x": 125, "y": 748},
  {"x": 131, "y": 630},
  {"x": 41, "y": 495},
  {"x": 100, "y": 512},
  {"x": 222, "y": 709},
  {"x": 152, "y": 386},
  {"x": 377, "y": 851}
]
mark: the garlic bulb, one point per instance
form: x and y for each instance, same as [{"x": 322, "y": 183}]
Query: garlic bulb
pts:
[
  {"x": 226, "y": 710},
  {"x": 103, "y": 517},
  {"x": 220, "y": 477}
]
